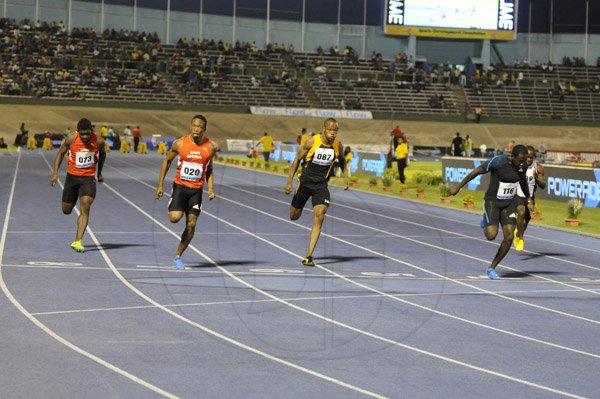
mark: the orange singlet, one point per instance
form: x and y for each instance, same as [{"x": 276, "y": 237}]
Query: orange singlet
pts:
[
  {"x": 82, "y": 158},
  {"x": 193, "y": 159}
]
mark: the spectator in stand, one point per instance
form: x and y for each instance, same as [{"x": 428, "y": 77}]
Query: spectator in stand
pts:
[
  {"x": 137, "y": 135},
  {"x": 457, "y": 145},
  {"x": 468, "y": 145},
  {"x": 267, "y": 146},
  {"x": 478, "y": 112}
]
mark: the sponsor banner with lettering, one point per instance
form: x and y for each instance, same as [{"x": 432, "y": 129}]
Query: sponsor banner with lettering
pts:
[
  {"x": 563, "y": 182},
  {"x": 311, "y": 112}
]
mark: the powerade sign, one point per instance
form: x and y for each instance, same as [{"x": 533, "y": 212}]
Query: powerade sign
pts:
[
  {"x": 584, "y": 184},
  {"x": 455, "y": 174},
  {"x": 370, "y": 162},
  {"x": 562, "y": 182}
]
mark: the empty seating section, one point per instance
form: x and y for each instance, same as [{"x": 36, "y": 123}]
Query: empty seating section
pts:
[{"x": 537, "y": 95}]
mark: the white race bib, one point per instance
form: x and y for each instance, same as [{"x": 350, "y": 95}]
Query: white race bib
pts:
[
  {"x": 84, "y": 159},
  {"x": 506, "y": 191},
  {"x": 191, "y": 171},
  {"x": 323, "y": 156}
]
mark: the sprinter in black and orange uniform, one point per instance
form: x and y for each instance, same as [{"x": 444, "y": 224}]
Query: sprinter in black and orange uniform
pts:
[
  {"x": 85, "y": 159},
  {"x": 318, "y": 153},
  {"x": 194, "y": 167}
]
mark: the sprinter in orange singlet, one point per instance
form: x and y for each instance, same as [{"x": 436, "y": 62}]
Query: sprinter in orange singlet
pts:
[
  {"x": 85, "y": 159},
  {"x": 194, "y": 167}
]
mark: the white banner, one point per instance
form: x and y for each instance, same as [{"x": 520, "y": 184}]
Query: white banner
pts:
[{"x": 313, "y": 112}]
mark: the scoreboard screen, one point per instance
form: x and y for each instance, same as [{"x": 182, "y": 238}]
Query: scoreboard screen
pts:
[{"x": 462, "y": 19}]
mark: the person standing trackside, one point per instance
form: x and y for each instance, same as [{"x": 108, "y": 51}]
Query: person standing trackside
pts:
[
  {"x": 319, "y": 152},
  {"x": 127, "y": 134},
  {"x": 457, "y": 145},
  {"x": 194, "y": 167},
  {"x": 85, "y": 158},
  {"x": 137, "y": 135},
  {"x": 267, "y": 146},
  {"x": 401, "y": 157}
]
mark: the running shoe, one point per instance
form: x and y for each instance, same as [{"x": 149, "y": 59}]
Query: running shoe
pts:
[
  {"x": 179, "y": 263},
  {"x": 482, "y": 223},
  {"x": 77, "y": 246},
  {"x": 491, "y": 272},
  {"x": 519, "y": 243},
  {"x": 308, "y": 261}
]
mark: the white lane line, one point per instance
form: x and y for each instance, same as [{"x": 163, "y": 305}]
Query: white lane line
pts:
[
  {"x": 207, "y": 330},
  {"x": 351, "y": 328},
  {"x": 45, "y": 328},
  {"x": 295, "y": 299},
  {"x": 150, "y": 342},
  {"x": 414, "y": 211},
  {"x": 413, "y": 266},
  {"x": 395, "y": 235}
]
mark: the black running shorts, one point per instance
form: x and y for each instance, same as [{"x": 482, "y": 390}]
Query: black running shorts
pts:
[
  {"x": 319, "y": 193},
  {"x": 78, "y": 186},
  {"x": 184, "y": 199},
  {"x": 503, "y": 212}
]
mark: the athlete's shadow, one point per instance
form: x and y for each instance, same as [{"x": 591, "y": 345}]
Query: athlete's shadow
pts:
[
  {"x": 108, "y": 247},
  {"x": 326, "y": 260},
  {"x": 529, "y": 256},
  {"x": 526, "y": 273},
  {"x": 224, "y": 263}
]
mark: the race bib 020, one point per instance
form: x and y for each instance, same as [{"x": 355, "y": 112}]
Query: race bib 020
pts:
[
  {"x": 191, "y": 171},
  {"x": 323, "y": 156}
]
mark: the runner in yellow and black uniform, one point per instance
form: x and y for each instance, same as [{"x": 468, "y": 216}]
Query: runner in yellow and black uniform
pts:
[{"x": 318, "y": 153}]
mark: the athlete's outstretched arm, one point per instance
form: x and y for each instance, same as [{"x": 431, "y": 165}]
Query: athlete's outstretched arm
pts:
[
  {"x": 164, "y": 167},
  {"x": 345, "y": 167},
  {"x": 64, "y": 147},
  {"x": 538, "y": 175},
  {"x": 474, "y": 173},
  {"x": 101, "y": 158},
  {"x": 210, "y": 178},
  {"x": 294, "y": 167}
]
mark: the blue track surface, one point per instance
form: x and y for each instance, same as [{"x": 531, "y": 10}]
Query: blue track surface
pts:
[{"x": 398, "y": 306}]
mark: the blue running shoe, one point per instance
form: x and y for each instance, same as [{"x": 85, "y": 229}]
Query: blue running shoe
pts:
[
  {"x": 492, "y": 274},
  {"x": 179, "y": 263},
  {"x": 482, "y": 223}
]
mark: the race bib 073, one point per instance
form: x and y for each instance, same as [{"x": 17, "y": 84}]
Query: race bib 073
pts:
[{"x": 84, "y": 159}]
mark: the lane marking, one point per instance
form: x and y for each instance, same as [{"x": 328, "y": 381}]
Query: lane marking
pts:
[
  {"x": 338, "y": 323},
  {"x": 443, "y": 249},
  {"x": 45, "y": 328},
  {"x": 313, "y": 298},
  {"x": 450, "y": 360}
]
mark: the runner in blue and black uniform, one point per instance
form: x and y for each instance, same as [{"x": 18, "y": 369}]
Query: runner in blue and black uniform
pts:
[
  {"x": 500, "y": 200},
  {"x": 318, "y": 152}
]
